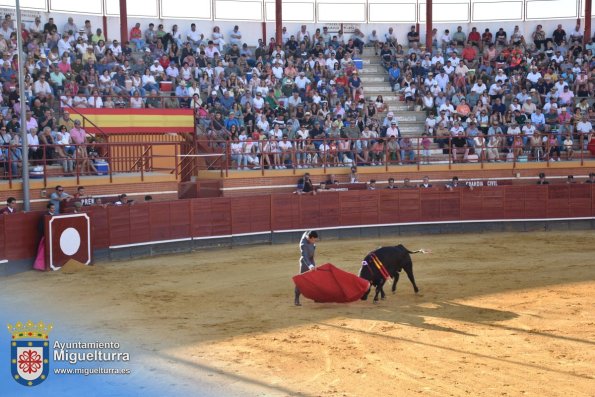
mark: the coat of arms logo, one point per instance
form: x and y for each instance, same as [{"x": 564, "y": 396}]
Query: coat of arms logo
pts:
[{"x": 29, "y": 352}]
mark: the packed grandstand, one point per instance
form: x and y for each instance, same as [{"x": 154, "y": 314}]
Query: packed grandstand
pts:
[{"x": 488, "y": 96}]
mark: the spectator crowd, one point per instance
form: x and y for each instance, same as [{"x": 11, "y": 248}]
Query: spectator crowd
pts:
[{"x": 301, "y": 103}]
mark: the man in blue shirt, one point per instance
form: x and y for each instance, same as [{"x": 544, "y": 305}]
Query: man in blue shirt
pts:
[
  {"x": 231, "y": 120},
  {"x": 393, "y": 75}
]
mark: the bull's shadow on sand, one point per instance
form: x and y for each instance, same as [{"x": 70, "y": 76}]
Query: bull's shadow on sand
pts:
[{"x": 415, "y": 312}]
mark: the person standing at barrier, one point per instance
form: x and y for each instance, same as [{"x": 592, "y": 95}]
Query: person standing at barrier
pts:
[
  {"x": 10, "y": 208},
  {"x": 59, "y": 198},
  {"x": 307, "y": 248}
]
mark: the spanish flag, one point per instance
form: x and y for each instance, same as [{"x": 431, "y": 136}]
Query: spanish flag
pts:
[{"x": 126, "y": 121}]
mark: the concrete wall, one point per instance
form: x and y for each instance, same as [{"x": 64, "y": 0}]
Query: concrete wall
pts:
[{"x": 252, "y": 31}]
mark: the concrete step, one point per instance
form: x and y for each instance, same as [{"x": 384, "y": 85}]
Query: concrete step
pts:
[
  {"x": 389, "y": 98},
  {"x": 380, "y": 89},
  {"x": 369, "y": 79},
  {"x": 372, "y": 69},
  {"x": 400, "y": 108},
  {"x": 372, "y": 59},
  {"x": 382, "y": 74},
  {"x": 368, "y": 51},
  {"x": 411, "y": 129},
  {"x": 411, "y": 116}
]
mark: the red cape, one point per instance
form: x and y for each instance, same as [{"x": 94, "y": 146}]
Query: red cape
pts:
[{"x": 330, "y": 284}]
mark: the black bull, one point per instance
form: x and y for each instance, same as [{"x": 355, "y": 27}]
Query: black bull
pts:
[{"x": 394, "y": 259}]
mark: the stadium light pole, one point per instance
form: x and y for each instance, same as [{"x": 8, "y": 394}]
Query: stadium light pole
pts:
[{"x": 25, "y": 154}]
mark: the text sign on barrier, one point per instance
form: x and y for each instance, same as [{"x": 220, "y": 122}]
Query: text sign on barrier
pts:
[
  {"x": 347, "y": 27},
  {"x": 68, "y": 237}
]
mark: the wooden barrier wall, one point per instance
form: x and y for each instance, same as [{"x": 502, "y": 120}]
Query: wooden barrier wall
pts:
[{"x": 209, "y": 217}]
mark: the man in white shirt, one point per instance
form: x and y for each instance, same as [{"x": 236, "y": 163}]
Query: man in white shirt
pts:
[
  {"x": 95, "y": 100},
  {"x": 303, "y": 34},
  {"x": 302, "y": 81},
  {"x": 236, "y": 36},
  {"x": 36, "y": 28},
  {"x": 454, "y": 59},
  {"x": 557, "y": 57},
  {"x": 447, "y": 106},
  {"x": 172, "y": 71},
  {"x": 585, "y": 128},
  {"x": 390, "y": 38},
  {"x": 64, "y": 45},
  {"x": 285, "y": 146},
  {"x": 500, "y": 76},
  {"x": 258, "y": 102},
  {"x": 116, "y": 48},
  {"x": 496, "y": 90},
  {"x": 277, "y": 70},
  {"x": 156, "y": 68},
  {"x": 533, "y": 76},
  {"x": 294, "y": 100},
  {"x": 528, "y": 131},
  {"x": 42, "y": 87},
  {"x": 448, "y": 68},
  {"x": 331, "y": 61},
  {"x": 194, "y": 37},
  {"x": 479, "y": 87},
  {"x": 442, "y": 79},
  {"x": 529, "y": 107},
  {"x": 438, "y": 58},
  {"x": 430, "y": 80}
]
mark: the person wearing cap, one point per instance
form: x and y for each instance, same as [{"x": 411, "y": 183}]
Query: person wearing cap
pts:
[
  {"x": 301, "y": 82},
  {"x": 390, "y": 117},
  {"x": 258, "y": 101},
  {"x": 393, "y": 130}
]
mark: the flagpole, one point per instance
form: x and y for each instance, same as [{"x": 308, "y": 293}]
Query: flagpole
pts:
[{"x": 25, "y": 154}]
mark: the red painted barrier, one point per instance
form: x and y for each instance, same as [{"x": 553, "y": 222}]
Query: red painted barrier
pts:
[
  {"x": 2, "y": 238},
  {"x": 211, "y": 217}
]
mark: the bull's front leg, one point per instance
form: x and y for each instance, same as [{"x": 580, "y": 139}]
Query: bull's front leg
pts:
[
  {"x": 379, "y": 290},
  {"x": 395, "y": 281},
  {"x": 365, "y": 296}
]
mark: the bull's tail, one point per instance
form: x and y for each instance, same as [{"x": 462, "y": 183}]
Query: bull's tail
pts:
[{"x": 420, "y": 251}]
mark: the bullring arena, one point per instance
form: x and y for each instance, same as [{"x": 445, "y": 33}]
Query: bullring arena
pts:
[
  {"x": 160, "y": 161},
  {"x": 498, "y": 314}
]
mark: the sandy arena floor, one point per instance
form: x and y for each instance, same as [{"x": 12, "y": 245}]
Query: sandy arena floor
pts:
[{"x": 507, "y": 314}]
